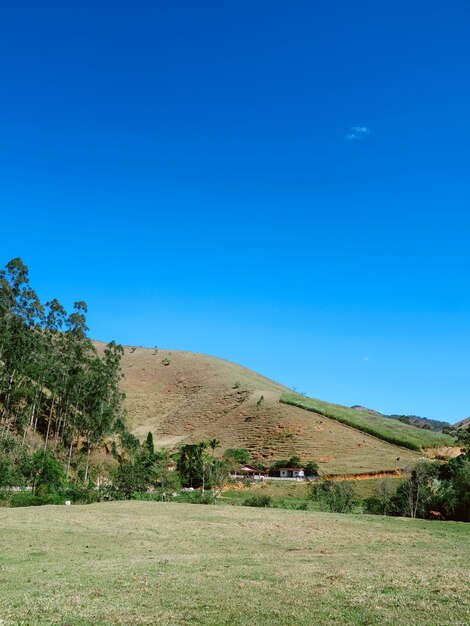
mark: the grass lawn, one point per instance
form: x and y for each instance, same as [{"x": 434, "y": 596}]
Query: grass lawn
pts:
[
  {"x": 155, "y": 563},
  {"x": 384, "y": 428}
]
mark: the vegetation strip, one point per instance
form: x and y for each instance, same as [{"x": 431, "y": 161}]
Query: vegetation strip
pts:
[{"x": 393, "y": 432}]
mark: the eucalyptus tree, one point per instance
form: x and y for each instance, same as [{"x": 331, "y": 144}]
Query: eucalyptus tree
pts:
[
  {"x": 52, "y": 380},
  {"x": 101, "y": 405},
  {"x": 20, "y": 332}
]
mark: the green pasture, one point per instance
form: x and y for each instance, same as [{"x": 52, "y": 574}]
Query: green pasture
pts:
[
  {"x": 139, "y": 563},
  {"x": 292, "y": 494}
]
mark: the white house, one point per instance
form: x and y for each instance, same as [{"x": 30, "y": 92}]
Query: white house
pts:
[{"x": 291, "y": 472}]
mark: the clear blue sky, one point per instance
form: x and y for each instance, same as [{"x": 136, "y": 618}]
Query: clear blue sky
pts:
[{"x": 282, "y": 184}]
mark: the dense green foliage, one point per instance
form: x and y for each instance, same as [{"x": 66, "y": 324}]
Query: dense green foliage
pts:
[
  {"x": 198, "y": 468},
  {"x": 237, "y": 456},
  {"x": 392, "y": 431},
  {"x": 430, "y": 491}
]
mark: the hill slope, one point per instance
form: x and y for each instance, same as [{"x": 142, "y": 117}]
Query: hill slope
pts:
[
  {"x": 183, "y": 397},
  {"x": 372, "y": 423},
  {"x": 463, "y": 423}
]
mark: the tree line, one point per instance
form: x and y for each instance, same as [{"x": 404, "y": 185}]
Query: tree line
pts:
[{"x": 58, "y": 396}]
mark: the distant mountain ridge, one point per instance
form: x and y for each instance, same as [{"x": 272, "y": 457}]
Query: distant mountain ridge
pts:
[{"x": 414, "y": 420}]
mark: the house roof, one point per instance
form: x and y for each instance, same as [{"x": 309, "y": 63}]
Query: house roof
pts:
[
  {"x": 291, "y": 469},
  {"x": 250, "y": 468}
]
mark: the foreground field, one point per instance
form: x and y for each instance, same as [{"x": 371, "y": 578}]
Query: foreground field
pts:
[{"x": 153, "y": 563}]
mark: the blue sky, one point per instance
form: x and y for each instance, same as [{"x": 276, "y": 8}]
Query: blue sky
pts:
[{"x": 285, "y": 185}]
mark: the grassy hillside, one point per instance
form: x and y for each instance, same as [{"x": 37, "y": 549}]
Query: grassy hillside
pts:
[
  {"x": 184, "y": 397},
  {"x": 166, "y": 564},
  {"x": 394, "y": 432}
]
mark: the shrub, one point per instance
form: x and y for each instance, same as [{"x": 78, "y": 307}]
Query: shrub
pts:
[
  {"x": 206, "y": 497},
  {"x": 197, "y": 497},
  {"x": 337, "y": 496},
  {"x": 49, "y": 476},
  {"x": 381, "y": 503},
  {"x": 373, "y": 506},
  {"x": 26, "y": 498},
  {"x": 258, "y": 501},
  {"x": 83, "y": 495}
]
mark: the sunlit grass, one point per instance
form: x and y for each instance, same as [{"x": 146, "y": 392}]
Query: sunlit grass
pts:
[{"x": 155, "y": 563}]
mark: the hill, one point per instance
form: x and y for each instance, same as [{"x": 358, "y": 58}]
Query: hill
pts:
[
  {"x": 463, "y": 423},
  {"x": 157, "y": 563},
  {"x": 183, "y": 397},
  {"x": 421, "y": 422}
]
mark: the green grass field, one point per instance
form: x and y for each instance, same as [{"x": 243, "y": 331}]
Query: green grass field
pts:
[
  {"x": 153, "y": 563},
  {"x": 293, "y": 494},
  {"x": 389, "y": 430}
]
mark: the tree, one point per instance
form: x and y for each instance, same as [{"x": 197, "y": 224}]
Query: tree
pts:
[
  {"x": 189, "y": 464},
  {"x": 131, "y": 477},
  {"x": 294, "y": 461},
  {"x": 197, "y": 468},
  {"x": 52, "y": 380},
  {"x": 214, "y": 443},
  {"x": 381, "y": 502},
  {"x": 219, "y": 471},
  {"x": 165, "y": 479},
  {"x": 418, "y": 489},
  {"x": 149, "y": 445},
  {"x": 237, "y": 456},
  {"x": 337, "y": 496},
  {"x": 463, "y": 438},
  {"x": 454, "y": 495},
  {"x": 311, "y": 468}
]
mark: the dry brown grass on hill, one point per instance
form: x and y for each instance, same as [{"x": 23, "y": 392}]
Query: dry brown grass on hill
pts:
[{"x": 182, "y": 397}]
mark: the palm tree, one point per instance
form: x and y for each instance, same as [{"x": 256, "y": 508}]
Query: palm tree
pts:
[{"x": 214, "y": 443}]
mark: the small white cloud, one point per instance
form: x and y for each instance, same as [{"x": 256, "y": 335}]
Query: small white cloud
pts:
[
  {"x": 357, "y": 133},
  {"x": 366, "y": 358}
]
